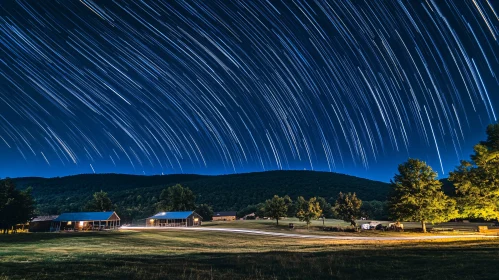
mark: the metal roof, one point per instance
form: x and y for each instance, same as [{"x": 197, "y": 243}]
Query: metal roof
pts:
[
  {"x": 172, "y": 215},
  {"x": 85, "y": 216},
  {"x": 44, "y": 218},
  {"x": 224, "y": 214}
]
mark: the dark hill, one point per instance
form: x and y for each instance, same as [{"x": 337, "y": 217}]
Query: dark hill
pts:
[{"x": 135, "y": 195}]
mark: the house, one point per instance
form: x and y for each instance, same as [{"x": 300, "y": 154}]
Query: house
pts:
[
  {"x": 42, "y": 224},
  {"x": 224, "y": 216},
  {"x": 86, "y": 221},
  {"x": 174, "y": 219}
]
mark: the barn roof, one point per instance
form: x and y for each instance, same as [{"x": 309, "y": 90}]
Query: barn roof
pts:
[
  {"x": 172, "y": 215},
  {"x": 224, "y": 214},
  {"x": 44, "y": 218},
  {"x": 87, "y": 216}
]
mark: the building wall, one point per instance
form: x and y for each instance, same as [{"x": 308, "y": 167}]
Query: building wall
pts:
[
  {"x": 42, "y": 226},
  {"x": 224, "y": 218},
  {"x": 193, "y": 221},
  {"x": 190, "y": 221}
]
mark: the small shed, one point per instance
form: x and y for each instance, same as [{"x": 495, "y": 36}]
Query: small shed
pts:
[
  {"x": 87, "y": 221},
  {"x": 174, "y": 219},
  {"x": 224, "y": 216},
  {"x": 250, "y": 216},
  {"x": 42, "y": 223}
]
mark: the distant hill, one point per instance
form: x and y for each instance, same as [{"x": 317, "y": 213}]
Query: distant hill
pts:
[{"x": 135, "y": 195}]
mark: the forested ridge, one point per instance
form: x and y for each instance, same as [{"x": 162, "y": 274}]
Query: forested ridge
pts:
[{"x": 135, "y": 196}]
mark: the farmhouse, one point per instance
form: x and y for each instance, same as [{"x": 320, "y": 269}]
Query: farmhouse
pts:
[
  {"x": 87, "y": 221},
  {"x": 42, "y": 224},
  {"x": 224, "y": 216},
  {"x": 174, "y": 219}
]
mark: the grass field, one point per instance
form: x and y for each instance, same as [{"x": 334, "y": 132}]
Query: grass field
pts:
[
  {"x": 217, "y": 255},
  {"x": 316, "y": 226}
]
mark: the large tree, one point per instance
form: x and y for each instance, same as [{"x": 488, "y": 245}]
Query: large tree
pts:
[
  {"x": 205, "y": 211},
  {"x": 298, "y": 204},
  {"x": 308, "y": 211},
  {"x": 16, "y": 207},
  {"x": 99, "y": 203},
  {"x": 176, "y": 198},
  {"x": 347, "y": 207},
  {"x": 417, "y": 195},
  {"x": 477, "y": 180},
  {"x": 276, "y": 208}
]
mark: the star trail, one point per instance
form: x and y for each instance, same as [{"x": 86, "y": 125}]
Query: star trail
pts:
[{"x": 212, "y": 87}]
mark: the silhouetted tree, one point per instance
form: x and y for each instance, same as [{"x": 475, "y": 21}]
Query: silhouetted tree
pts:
[
  {"x": 16, "y": 207},
  {"x": 205, "y": 211}
]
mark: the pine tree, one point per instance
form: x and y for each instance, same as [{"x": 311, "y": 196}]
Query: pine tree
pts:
[
  {"x": 417, "y": 195},
  {"x": 477, "y": 181}
]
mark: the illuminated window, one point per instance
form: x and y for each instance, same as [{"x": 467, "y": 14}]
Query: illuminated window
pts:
[
  {"x": 69, "y": 223},
  {"x": 196, "y": 219},
  {"x": 81, "y": 224},
  {"x": 151, "y": 220}
]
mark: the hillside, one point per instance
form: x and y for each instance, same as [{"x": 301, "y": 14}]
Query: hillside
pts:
[{"x": 135, "y": 195}]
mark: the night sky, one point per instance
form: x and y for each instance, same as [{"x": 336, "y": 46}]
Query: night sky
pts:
[{"x": 217, "y": 87}]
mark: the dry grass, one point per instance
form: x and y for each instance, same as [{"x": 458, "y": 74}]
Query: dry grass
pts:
[
  {"x": 215, "y": 255},
  {"x": 317, "y": 225}
]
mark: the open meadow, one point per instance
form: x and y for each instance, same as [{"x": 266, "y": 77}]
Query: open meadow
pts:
[
  {"x": 174, "y": 254},
  {"x": 411, "y": 228}
]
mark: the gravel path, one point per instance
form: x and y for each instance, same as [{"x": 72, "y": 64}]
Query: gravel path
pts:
[{"x": 310, "y": 236}]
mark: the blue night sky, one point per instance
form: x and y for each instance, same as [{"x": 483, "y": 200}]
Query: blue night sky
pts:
[{"x": 218, "y": 87}]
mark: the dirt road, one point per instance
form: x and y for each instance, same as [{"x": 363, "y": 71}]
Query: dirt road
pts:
[{"x": 310, "y": 236}]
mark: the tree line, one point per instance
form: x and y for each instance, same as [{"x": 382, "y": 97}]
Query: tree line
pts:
[
  {"x": 16, "y": 206},
  {"x": 136, "y": 196},
  {"x": 347, "y": 207}
]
